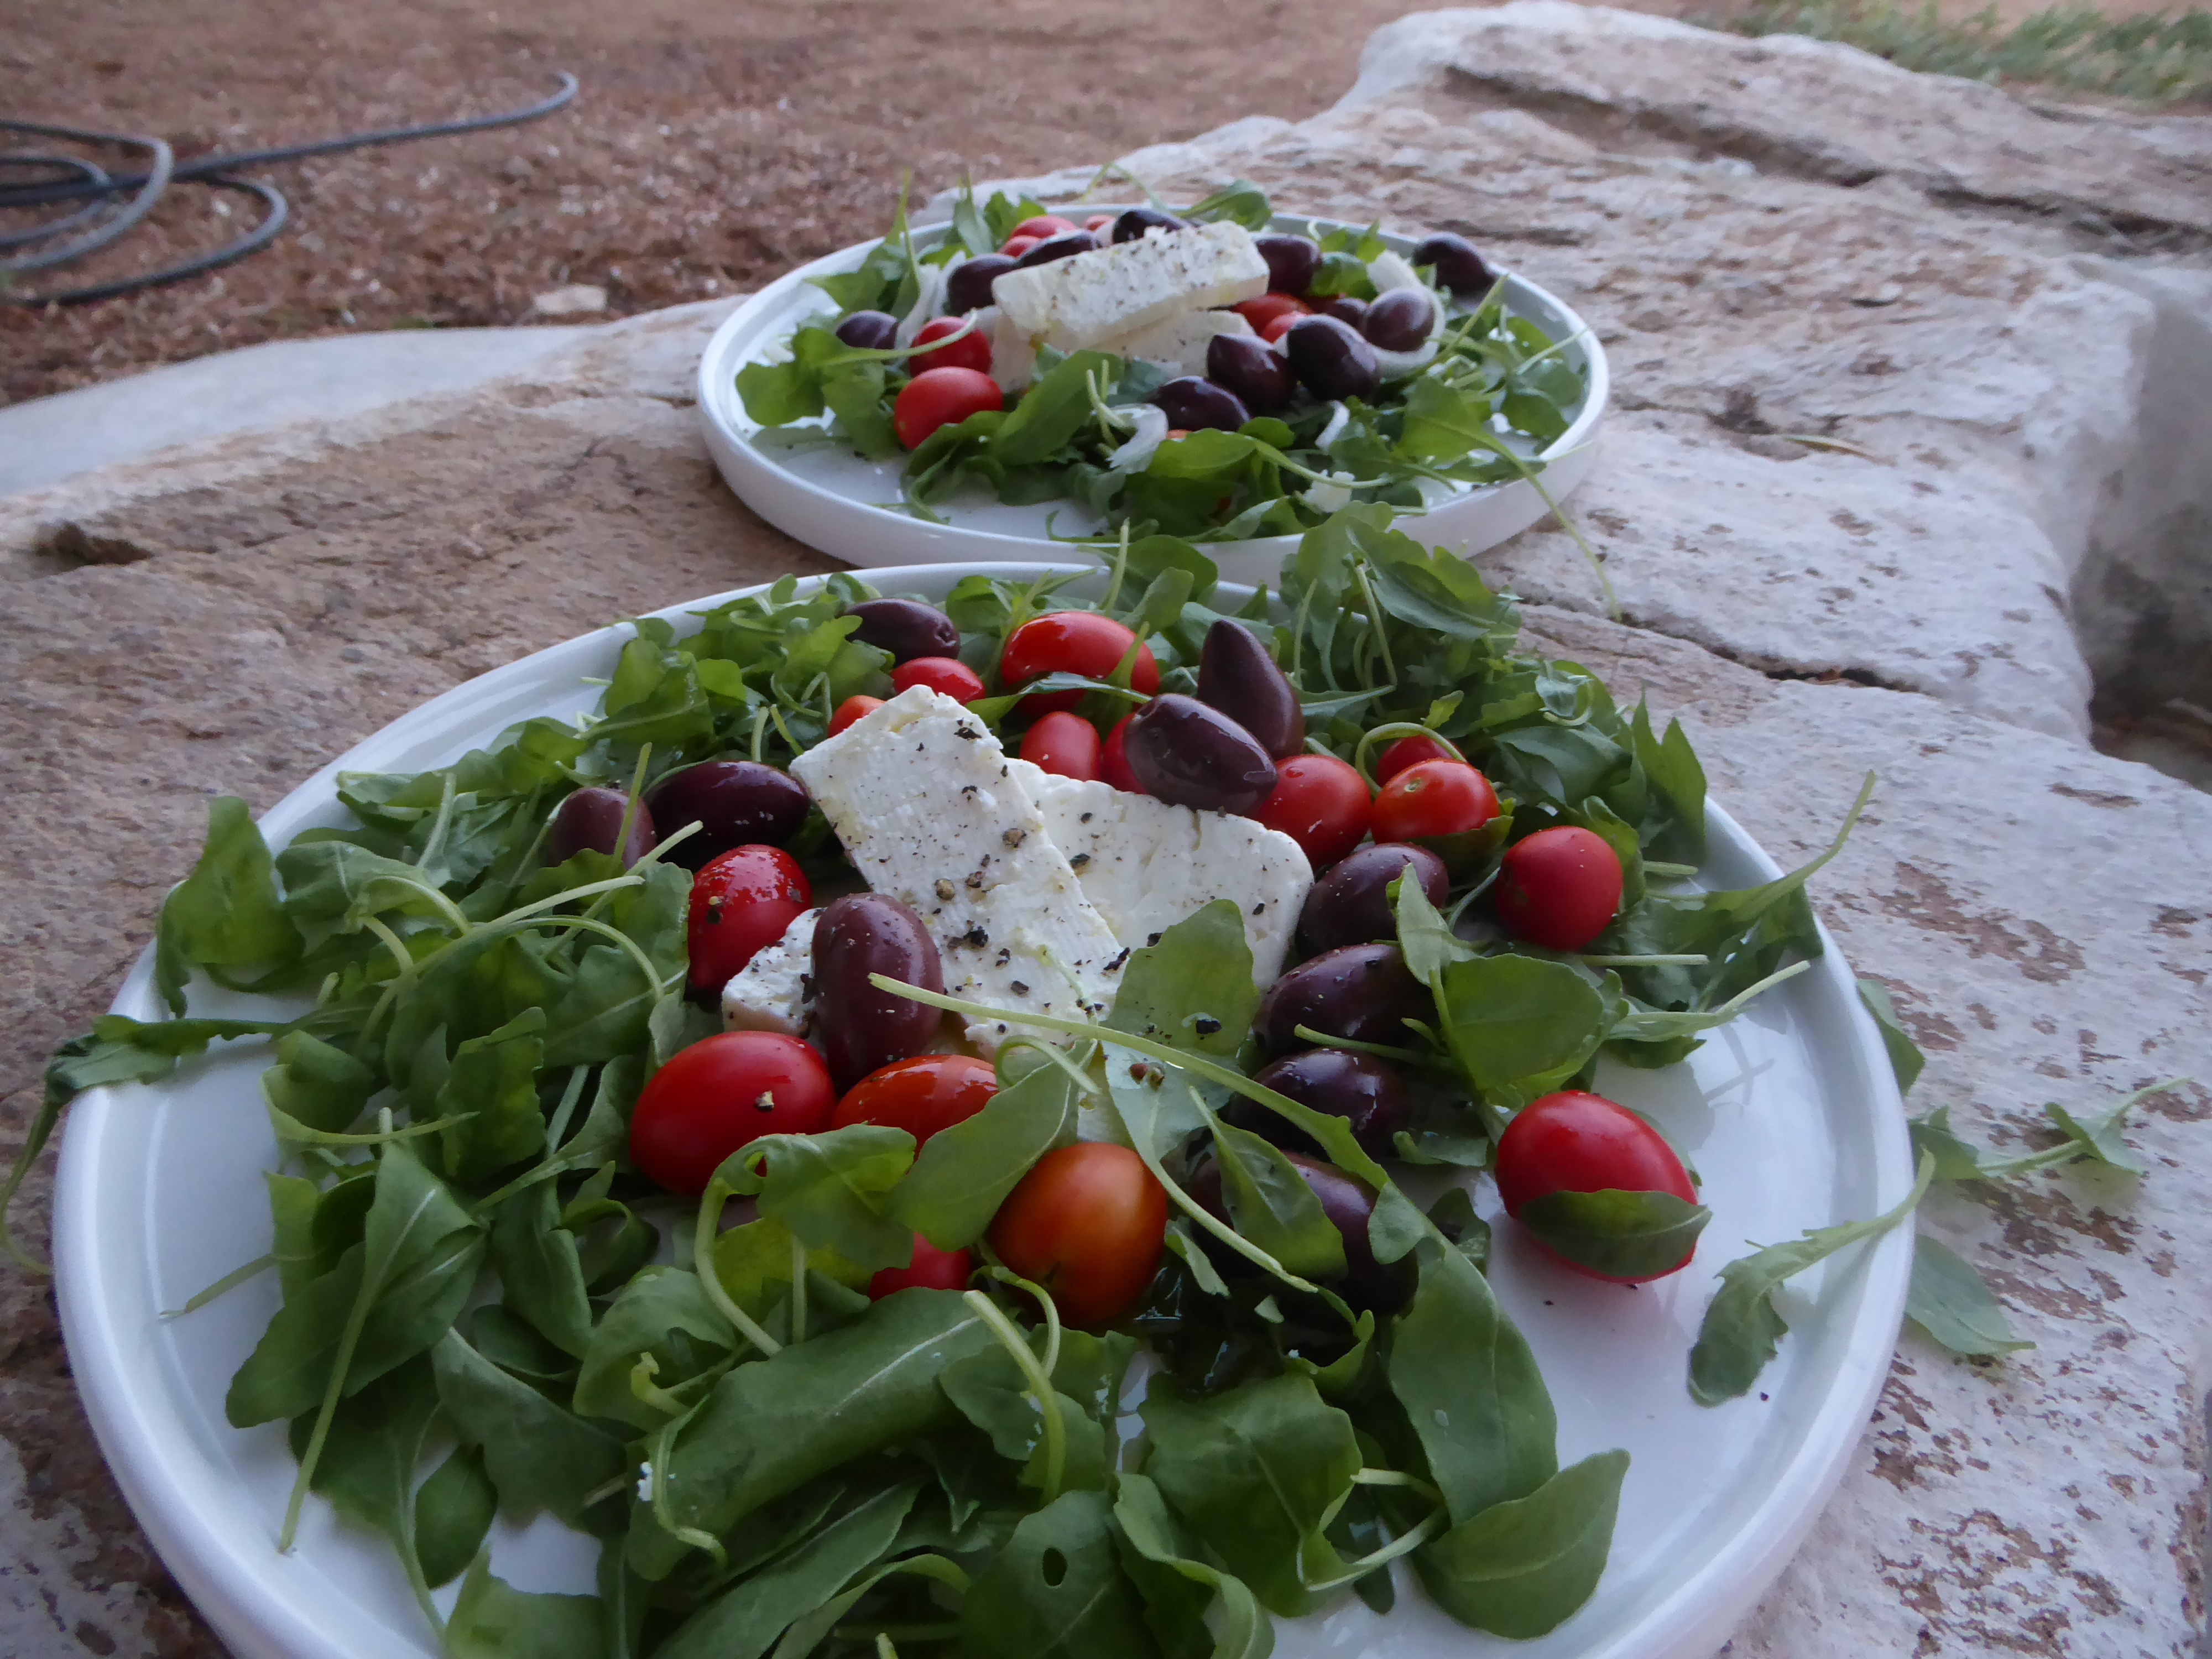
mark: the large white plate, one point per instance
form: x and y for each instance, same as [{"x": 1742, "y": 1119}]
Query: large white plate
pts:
[
  {"x": 1790, "y": 1115},
  {"x": 847, "y": 507}
]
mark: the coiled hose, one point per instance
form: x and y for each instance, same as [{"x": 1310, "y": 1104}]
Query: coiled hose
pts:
[{"x": 54, "y": 178}]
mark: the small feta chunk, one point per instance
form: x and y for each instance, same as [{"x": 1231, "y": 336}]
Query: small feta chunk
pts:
[
  {"x": 927, "y": 805},
  {"x": 1112, "y": 291},
  {"x": 1179, "y": 342},
  {"x": 1013, "y": 358},
  {"x": 1146, "y": 864},
  {"x": 775, "y": 991}
]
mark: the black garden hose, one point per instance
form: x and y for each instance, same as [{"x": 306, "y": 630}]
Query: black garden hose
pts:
[{"x": 54, "y": 178}]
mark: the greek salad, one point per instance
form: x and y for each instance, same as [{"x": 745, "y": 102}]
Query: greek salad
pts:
[
  {"x": 1193, "y": 374},
  {"x": 893, "y": 1122}
]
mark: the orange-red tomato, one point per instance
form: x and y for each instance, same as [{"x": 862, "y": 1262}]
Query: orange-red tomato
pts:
[
  {"x": 1264, "y": 310},
  {"x": 1097, "y": 221},
  {"x": 1114, "y": 758},
  {"x": 1407, "y": 751},
  {"x": 1072, "y": 643},
  {"x": 947, "y": 675},
  {"x": 1278, "y": 327},
  {"x": 741, "y": 900},
  {"x": 850, "y": 710},
  {"x": 1044, "y": 226},
  {"x": 1086, "y": 1223},
  {"x": 1434, "y": 797},
  {"x": 723, "y": 1093},
  {"x": 1064, "y": 743},
  {"x": 1321, "y": 803},
  {"x": 931, "y": 1269},
  {"x": 1576, "y": 1142},
  {"x": 920, "y": 1096},
  {"x": 971, "y": 350},
  {"x": 941, "y": 397},
  {"x": 1558, "y": 888},
  {"x": 1014, "y": 246}
]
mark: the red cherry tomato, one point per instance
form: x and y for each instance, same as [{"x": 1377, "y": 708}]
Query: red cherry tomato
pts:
[
  {"x": 1407, "y": 751},
  {"x": 931, "y": 1269},
  {"x": 942, "y": 396},
  {"x": 971, "y": 350},
  {"x": 1114, "y": 759},
  {"x": 920, "y": 1096},
  {"x": 1044, "y": 224},
  {"x": 850, "y": 710},
  {"x": 721, "y": 1094},
  {"x": 1097, "y": 221},
  {"x": 1174, "y": 432},
  {"x": 948, "y": 674},
  {"x": 1558, "y": 888},
  {"x": 1086, "y": 1223},
  {"x": 1434, "y": 797},
  {"x": 1264, "y": 310},
  {"x": 1583, "y": 1143},
  {"x": 1278, "y": 327},
  {"x": 1072, "y": 643},
  {"x": 741, "y": 900},
  {"x": 1065, "y": 744},
  {"x": 1014, "y": 246},
  {"x": 1321, "y": 803}
]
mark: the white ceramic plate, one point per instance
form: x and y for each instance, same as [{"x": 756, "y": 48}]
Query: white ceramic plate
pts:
[
  {"x": 847, "y": 507},
  {"x": 1790, "y": 1115}
]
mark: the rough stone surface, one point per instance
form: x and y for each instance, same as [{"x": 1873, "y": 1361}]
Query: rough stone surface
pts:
[{"x": 2004, "y": 307}]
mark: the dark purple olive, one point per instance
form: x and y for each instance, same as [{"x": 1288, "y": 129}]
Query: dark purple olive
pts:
[
  {"x": 969, "y": 287},
  {"x": 1344, "y": 308},
  {"x": 1291, "y": 262},
  {"x": 1349, "y": 1203},
  {"x": 869, "y": 330},
  {"x": 735, "y": 803},
  {"x": 1065, "y": 246},
  {"x": 1401, "y": 319},
  {"x": 1361, "y": 992},
  {"x": 1135, "y": 222},
  {"x": 1364, "y": 1091},
  {"x": 1351, "y": 904},
  {"x": 1180, "y": 751},
  {"x": 1458, "y": 266},
  {"x": 1236, "y": 675},
  {"x": 1331, "y": 360},
  {"x": 906, "y": 627},
  {"x": 1193, "y": 402},
  {"x": 858, "y": 1026},
  {"x": 1251, "y": 369},
  {"x": 589, "y": 821}
]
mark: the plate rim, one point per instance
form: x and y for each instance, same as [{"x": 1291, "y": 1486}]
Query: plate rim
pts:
[{"x": 242, "y": 1598}]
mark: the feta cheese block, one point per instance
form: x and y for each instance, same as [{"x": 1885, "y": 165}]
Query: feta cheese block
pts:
[
  {"x": 927, "y": 805},
  {"x": 1013, "y": 359},
  {"x": 1146, "y": 864},
  {"x": 1180, "y": 343},
  {"x": 775, "y": 991},
  {"x": 1112, "y": 291}
]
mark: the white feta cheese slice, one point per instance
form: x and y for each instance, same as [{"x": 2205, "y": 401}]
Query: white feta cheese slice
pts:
[
  {"x": 775, "y": 991},
  {"x": 1013, "y": 358},
  {"x": 1180, "y": 342},
  {"x": 925, "y": 802},
  {"x": 1146, "y": 864},
  {"x": 1111, "y": 291}
]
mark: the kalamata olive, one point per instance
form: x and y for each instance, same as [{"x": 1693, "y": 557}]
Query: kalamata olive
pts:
[
  {"x": 1193, "y": 402},
  {"x": 1348, "y": 1202},
  {"x": 969, "y": 287},
  {"x": 1236, "y": 675},
  {"x": 1351, "y": 904},
  {"x": 589, "y": 819},
  {"x": 1248, "y": 367},
  {"x": 1400, "y": 319},
  {"x": 1136, "y": 221},
  {"x": 869, "y": 330},
  {"x": 906, "y": 627},
  {"x": 1345, "y": 308},
  {"x": 860, "y": 1027},
  {"x": 1331, "y": 360},
  {"x": 1361, "y": 992},
  {"x": 1291, "y": 262},
  {"x": 735, "y": 803},
  {"x": 1458, "y": 266},
  {"x": 1366, "y": 1092},
  {"x": 1180, "y": 751},
  {"x": 1065, "y": 245}
]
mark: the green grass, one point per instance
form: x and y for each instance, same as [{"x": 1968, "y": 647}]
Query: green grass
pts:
[{"x": 2162, "y": 58}]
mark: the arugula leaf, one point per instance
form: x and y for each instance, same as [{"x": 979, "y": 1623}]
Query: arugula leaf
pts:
[
  {"x": 1057, "y": 1589},
  {"x": 494, "y": 1620},
  {"x": 1622, "y": 1235},
  {"x": 992, "y": 1393},
  {"x": 1155, "y": 1555},
  {"x": 494, "y": 1077},
  {"x": 315, "y": 1084},
  {"x": 1444, "y": 421},
  {"x": 1519, "y": 1027},
  {"x": 539, "y": 1456},
  {"x": 1905, "y": 1056},
  {"x": 1052, "y": 411},
  {"x": 540, "y": 1272},
  {"x": 1270, "y": 1204},
  {"x": 663, "y": 1313},
  {"x": 453, "y": 1510},
  {"x": 1522, "y": 1568},
  {"x": 226, "y": 914},
  {"x": 963, "y": 1173},
  {"x": 1243, "y": 201},
  {"x": 833, "y": 1189},
  {"x": 1194, "y": 989},
  {"x": 1951, "y": 1302}
]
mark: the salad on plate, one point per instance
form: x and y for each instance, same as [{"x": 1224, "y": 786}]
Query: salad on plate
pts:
[{"x": 902, "y": 1123}]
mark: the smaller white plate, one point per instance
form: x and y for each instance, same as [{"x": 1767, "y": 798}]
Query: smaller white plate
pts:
[{"x": 849, "y": 507}]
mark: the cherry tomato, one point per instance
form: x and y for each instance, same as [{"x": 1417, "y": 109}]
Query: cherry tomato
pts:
[
  {"x": 942, "y": 396},
  {"x": 850, "y": 710},
  {"x": 1086, "y": 1223},
  {"x": 948, "y": 674},
  {"x": 1264, "y": 310},
  {"x": 1174, "y": 432},
  {"x": 1434, "y": 797},
  {"x": 1406, "y": 751},
  {"x": 1014, "y": 246},
  {"x": 1064, "y": 743},
  {"x": 1558, "y": 888},
  {"x": 721, "y": 1094},
  {"x": 1097, "y": 221},
  {"x": 932, "y": 1269},
  {"x": 1576, "y": 1142},
  {"x": 1321, "y": 803},
  {"x": 1044, "y": 224},
  {"x": 741, "y": 900},
  {"x": 920, "y": 1096},
  {"x": 971, "y": 350},
  {"x": 1278, "y": 327},
  {"x": 1114, "y": 759},
  {"x": 1072, "y": 643}
]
